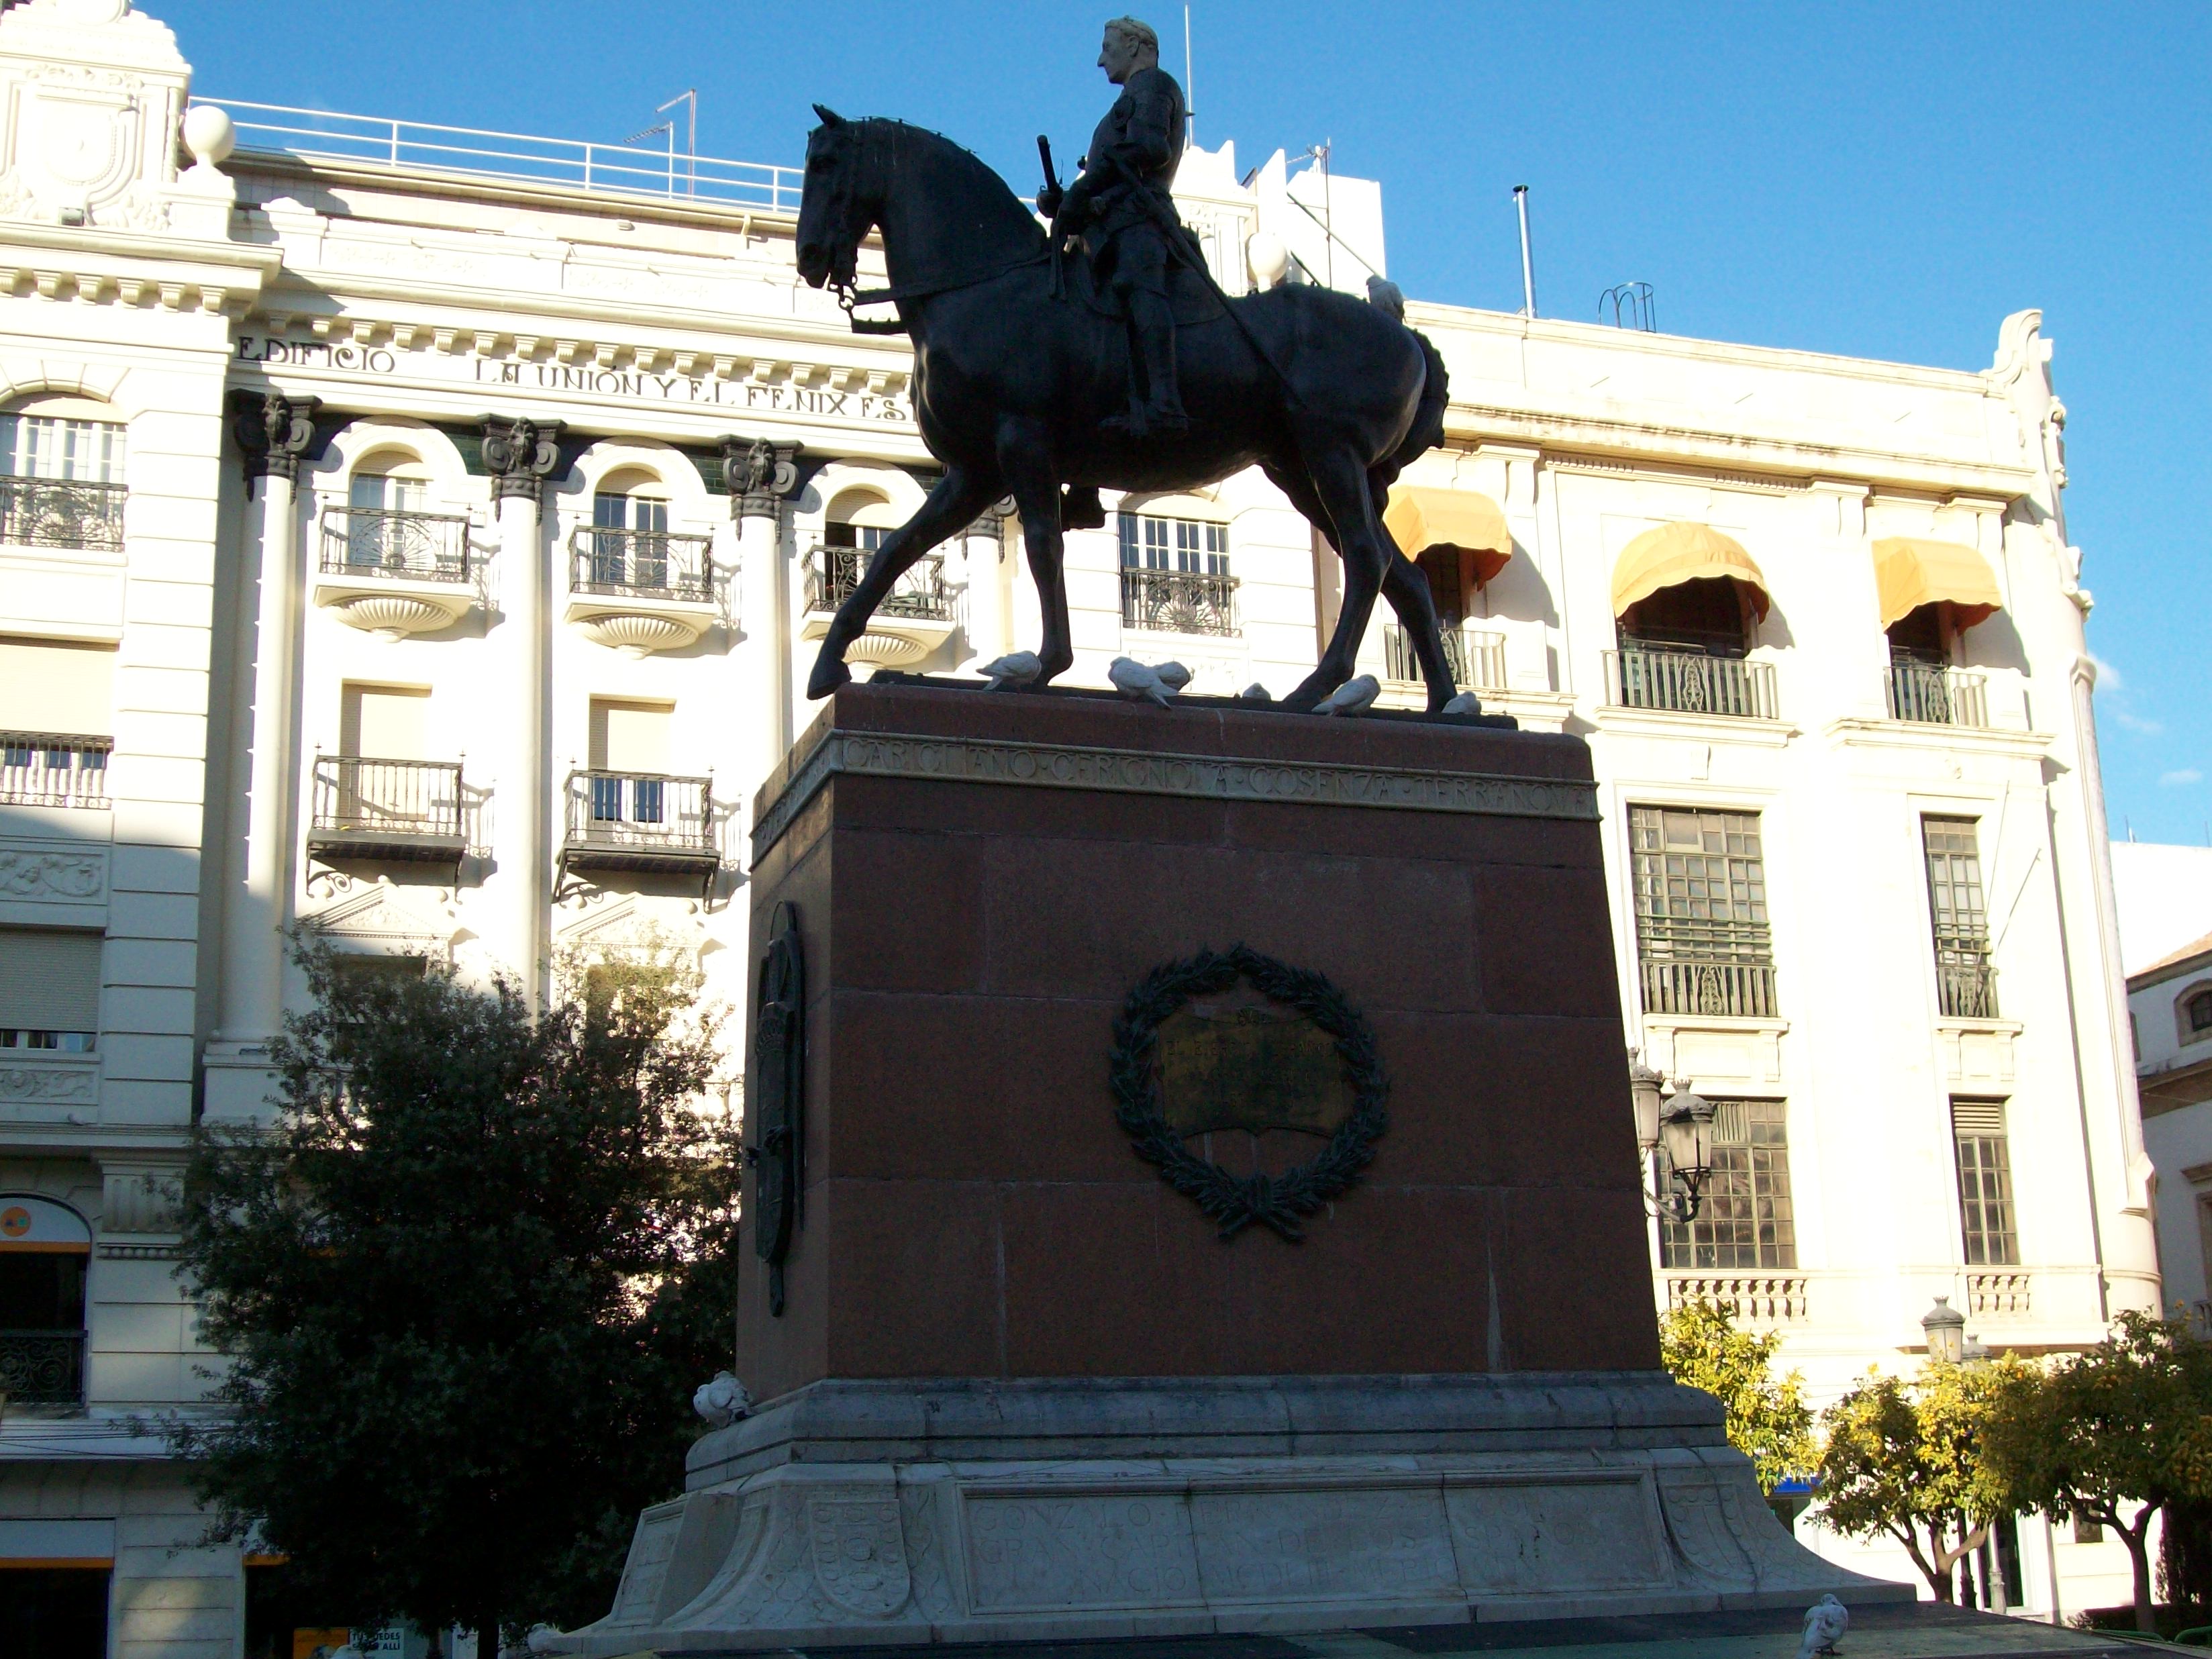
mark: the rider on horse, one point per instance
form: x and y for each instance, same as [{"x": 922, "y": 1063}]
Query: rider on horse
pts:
[{"x": 1121, "y": 199}]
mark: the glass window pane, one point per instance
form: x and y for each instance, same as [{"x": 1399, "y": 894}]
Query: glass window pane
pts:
[{"x": 1746, "y": 1220}]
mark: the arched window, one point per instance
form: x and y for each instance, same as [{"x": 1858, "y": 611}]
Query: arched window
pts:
[
  {"x": 2197, "y": 1012},
  {"x": 859, "y": 518},
  {"x": 387, "y": 501},
  {"x": 629, "y": 531},
  {"x": 61, "y": 474},
  {"x": 44, "y": 1248}
]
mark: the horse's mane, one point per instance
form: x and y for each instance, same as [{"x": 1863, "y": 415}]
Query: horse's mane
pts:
[{"x": 984, "y": 193}]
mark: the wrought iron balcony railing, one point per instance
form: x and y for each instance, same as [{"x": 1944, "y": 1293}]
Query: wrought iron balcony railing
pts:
[
  {"x": 42, "y": 1368},
  {"x": 1689, "y": 681},
  {"x": 832, "y": 574},
  {"x": 1178, "y": 601},
  {"x": 653, "y": 564},
  {"x": 365, "y": 807},
  {"x": 52, "y": 768},
  {"x": 1966, "y": 979},
  {"x": 1696, "y": 967},
  {"x": 62, "y": 512},
  {"x": 1477, "y": 659},
  {"x": 1934, "y": 695},
  {"x": 376, "y": 541}
]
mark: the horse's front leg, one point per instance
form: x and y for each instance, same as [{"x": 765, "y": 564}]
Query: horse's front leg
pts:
[
  {"x": 1025, "y": 461},
  {"x": 960, "y": 495}
]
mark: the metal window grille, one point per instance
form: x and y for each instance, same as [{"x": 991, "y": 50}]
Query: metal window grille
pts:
[
  {"x": 40, "y": 768},
  {"x": 1931, "y": 693},
  {"x": 1746, "y": 1219},
  {"x": 833, "y": 572},
  {"x": 1475, "y": 657},
  {"x": 1702, "y": 938},
  {"x": 1986, "y": 1207},
  {"x": 1966, "y": 980}
]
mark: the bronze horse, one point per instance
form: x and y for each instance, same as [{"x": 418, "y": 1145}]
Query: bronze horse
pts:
[{"x": 1013, "y": 373}]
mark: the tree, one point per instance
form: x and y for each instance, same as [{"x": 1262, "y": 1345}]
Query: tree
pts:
[
  {"x": 1908, "y": 1461},
  {"x": 2123, "y": 1424},
  {"x": 463, "y": 1285},
  {"x": 1768, "y": 1421}
]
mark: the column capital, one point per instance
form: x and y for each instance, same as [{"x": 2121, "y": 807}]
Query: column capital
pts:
[
  {"x": 274, "y": 432},
  {"x": 521, "y": 454},
  {"x": 760, "y": 473}
]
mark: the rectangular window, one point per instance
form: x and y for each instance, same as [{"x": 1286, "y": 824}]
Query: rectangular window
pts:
[
  {"x": 1746, "y": 1219},
  {"x": 1966, "y": 980},
  {"x": 53, "y": 1612},
  {"x": 49, "y": 990},
  {"x": 1193, "y": 546},
  {"x": 1702, "y": 939},
  {"x": 384, "y": 722},
  {"x": 1985, "y": 1206},
  {"x": 42, "y": 446}
]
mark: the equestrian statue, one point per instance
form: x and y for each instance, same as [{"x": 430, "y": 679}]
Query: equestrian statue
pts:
[{"x": 1050, "y": 362}]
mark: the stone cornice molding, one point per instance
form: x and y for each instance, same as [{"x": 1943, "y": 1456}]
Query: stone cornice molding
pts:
[
  {"x": 275, "y": 433},
  {"x": 760, "y": 474},
  {"x": 521, "y": 453},
  {"x": 1858, "y": 731}
]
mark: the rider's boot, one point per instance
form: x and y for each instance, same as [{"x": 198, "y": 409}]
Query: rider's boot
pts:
[
  {"x": 1159, "y": 411},
  {"x": 1081, "y": 510}
]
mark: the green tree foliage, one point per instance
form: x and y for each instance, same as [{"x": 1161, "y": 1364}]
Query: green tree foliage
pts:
[
  {"x": 1768, "y": 1421},
  {"x": 464, "y": 1284},
  {"x": 1908, "y": 1461},
  {"x": 2126, "y": 1425}
]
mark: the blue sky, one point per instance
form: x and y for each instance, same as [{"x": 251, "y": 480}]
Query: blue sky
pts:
[{"x": 1884, "y": 180}]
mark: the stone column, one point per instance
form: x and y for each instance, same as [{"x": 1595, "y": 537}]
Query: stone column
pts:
[
  {"x": 275, "y": 433},
  {"x": 983, "y": 547},
  {"x": 521, "y": 454},
  {"x": 761, "y": 475}
]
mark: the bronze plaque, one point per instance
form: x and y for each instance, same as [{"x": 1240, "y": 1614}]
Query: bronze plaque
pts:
[{"x": 1250, "y": 1068}]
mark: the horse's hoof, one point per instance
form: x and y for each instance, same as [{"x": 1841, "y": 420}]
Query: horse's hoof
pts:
[
  {"x": 1310, "y": 692},
  {"x": 830, "y": 672}
]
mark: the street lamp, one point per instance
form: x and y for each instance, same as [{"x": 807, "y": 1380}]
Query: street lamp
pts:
[
  {"x": 1671, "y": 1133},
  {"x": 1946, "y": 1331}
]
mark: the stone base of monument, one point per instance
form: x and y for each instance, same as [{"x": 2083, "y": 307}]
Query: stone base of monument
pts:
[
  {"x": 983, "y": 1511},
  {"x": 1194, "y": 1189}
]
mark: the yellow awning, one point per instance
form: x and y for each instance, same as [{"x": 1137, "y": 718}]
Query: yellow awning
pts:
[
  {"x": 1684, "y": 552},
  {"x": 1418, "y": 519},
  {"x": 1909, "y": 573}
]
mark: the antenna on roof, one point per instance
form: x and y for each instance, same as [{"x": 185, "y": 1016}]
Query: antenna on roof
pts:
[
  {"x": 1190, "y": 108},
  {"x": 1527, "y": 270},
  {"x": 689, "y": 95},
  {"x": 1631, "y": 306}
]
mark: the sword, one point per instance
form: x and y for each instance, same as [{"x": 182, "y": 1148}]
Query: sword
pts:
[{"x": 1052, "y": 184}]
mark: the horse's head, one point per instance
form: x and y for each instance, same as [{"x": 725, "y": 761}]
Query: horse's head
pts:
[{"x": 837, "y": 208}]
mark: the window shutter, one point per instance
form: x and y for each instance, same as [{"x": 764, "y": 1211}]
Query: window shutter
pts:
[
  {"x": 49, "y": 980},
  {"x": 384, "y": 722},
  {"x": 1977, "y": 1117},
  {"x": 61, "y": 689},
  {"x": 629, "y": 737}
]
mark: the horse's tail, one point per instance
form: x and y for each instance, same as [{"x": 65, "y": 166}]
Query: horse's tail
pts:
[{"x": 1428, "y": 429}]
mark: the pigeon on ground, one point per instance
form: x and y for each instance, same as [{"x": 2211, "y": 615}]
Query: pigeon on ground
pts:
[
  {"x": 1134, "y": 679},
  {"x": 1254, "y": 692},
  {"x": 1825, "y": 1621},
  {"x": 1012, "y": 672},
  {"x": 1466, "y": 703},
  {"x": 1354, "y": 696}
]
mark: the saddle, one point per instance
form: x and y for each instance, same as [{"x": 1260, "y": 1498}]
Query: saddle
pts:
[{"x": 1190, "y": 296}]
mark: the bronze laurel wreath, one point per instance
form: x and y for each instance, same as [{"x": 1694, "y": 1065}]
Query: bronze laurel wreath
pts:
[{"x": 1236, "y": 1202}]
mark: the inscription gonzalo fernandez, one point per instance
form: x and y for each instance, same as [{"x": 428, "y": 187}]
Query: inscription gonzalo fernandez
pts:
[{"x": 700, "y": 389}]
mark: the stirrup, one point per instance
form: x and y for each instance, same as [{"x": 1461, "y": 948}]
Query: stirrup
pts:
[{"x": 1081, "y": 510}]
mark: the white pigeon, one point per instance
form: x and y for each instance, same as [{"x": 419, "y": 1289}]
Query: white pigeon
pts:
[
  {"x": 1173, "y": 675},
  {"x": 1012, "y": 672},
  {"x": 1354, "y": 696},
  {"x": 1825, "y": 1621},
  {"x": 1254, "y": 692},
  {"x": 1133, "y": 679},
  {"x": 1466, "y": 703},
  {"x": 723, "y": 1400}
]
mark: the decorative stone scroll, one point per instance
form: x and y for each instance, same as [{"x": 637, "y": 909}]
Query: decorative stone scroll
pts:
[{"x": 1144, "y": 772}]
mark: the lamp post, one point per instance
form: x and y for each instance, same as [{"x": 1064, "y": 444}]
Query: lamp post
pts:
[
  {"x": 1671, "y": 1133},
  {"x": 1947, "y": 1332}
]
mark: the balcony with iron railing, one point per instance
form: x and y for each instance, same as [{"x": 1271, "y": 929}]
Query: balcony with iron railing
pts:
[
  {"x": 1706, "y": 968},
  {"x": 62, "y": 512},
  {"x": 914, "y": 618},
  {"x": 42, "y": 1368},
  {"x": 405, "y": 810},
  {"x": 1930, "y": 694},
  {"x": 395, "y": 572},
  {"x": 638, "y": 591},
  {"x": 1966, "y": 978},
  {"x": 1688, "y": 682},
  {"x": 1178, "y": 601},
  {"x": 53, "y": 768},
  {"x": 646, "y": 821},
  {"x": 1476, "y": 658}
]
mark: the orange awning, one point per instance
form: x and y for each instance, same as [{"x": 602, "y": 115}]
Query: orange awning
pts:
[
  {"x": 1684, "y": 552},
  {"x": 1910, "y": 572},
  {"x": 1466, "y": 520}
]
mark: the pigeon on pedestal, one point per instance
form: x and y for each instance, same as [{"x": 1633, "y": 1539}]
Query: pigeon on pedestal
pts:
[
  {"x": 1133, "y": 679},
  {"x": 1354, "y": 696},
  {"x": 1012, "y": 672}
]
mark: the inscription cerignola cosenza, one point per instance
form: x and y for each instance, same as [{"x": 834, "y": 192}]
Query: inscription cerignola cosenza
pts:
[{"x": 599, "y": 382}]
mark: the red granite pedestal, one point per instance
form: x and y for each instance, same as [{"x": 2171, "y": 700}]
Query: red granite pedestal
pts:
[{"x": 1019, "y": 1388}]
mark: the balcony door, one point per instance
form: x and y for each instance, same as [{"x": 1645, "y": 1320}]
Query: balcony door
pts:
[
  {"x": 629, "y": 541},
  {"x": 44, "y": 1249},
  {"x": 630, "y": 750},
  {"x": 381, "y": 531},
  {"x": 384, "y": 734}
]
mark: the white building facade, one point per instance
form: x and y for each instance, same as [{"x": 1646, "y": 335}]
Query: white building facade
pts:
[{"x": 431, "y": 558}]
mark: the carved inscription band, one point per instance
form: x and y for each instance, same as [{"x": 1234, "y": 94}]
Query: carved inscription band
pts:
[{"x": 1140, "y": 772}]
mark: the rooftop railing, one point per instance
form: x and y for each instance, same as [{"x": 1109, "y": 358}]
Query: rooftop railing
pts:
[
  {"x": 1933, "y": 696},
  {"x": 62, "y": 512},
  {"x": 1477, "y": 659},
  {"x": 832, "y": 574},
  {"x": 420, "y": 147},
  {"x": 52, "y": 768},
  {"x": 1688, "y": 682},
  {"x": 656, "y": 564},
  {"x": 379, "y": 541},
  {"x": 1178, "y": 601}
]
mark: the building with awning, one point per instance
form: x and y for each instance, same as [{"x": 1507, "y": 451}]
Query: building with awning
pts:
[
  {"x": 1462, "y": 523},
  {"x": 1912, "y": 571},
  {"x": 1668, "y": 555}
]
